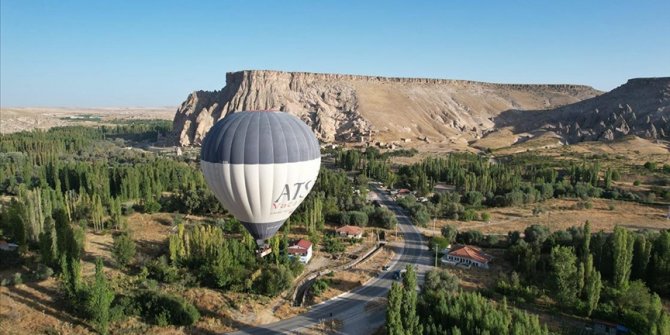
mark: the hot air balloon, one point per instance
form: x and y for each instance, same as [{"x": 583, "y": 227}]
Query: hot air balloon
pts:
[{"x": 260, "y": 165}]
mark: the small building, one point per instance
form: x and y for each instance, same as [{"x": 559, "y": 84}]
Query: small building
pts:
[
  {"x": 5, "y": 246},
  {"x": 601, "y": 327},
  {"x": 302, "y": 249},
  {"x": 350, "y": 231},
  {"x": 404, "y": 191},
  {"x": 467, "y": 255}
]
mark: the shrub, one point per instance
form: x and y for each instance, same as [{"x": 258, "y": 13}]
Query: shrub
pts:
[
  {"x": 651, "y": 166},
  {"x": 159, "y": 308},
  {"x": 449, "y": 232},
  {"x": 332, "y": 244},
  {"x": 383, "y": 217},
  {"x": 273, "y": 280},
  {"x": 636, "y": 183},
  {"x": 358, "y": 218},
  {"x": 485, "y": 216},
  {"x": 123, "y": 249},
  {"x": 159, "y": 269},
  {"x": 43, "y": 272},
  {"x": 514, "y": 198},
  {"x": 420, "y": 215},
  {"x": 536, "y": 234},
  {"x": 17, "y": 279},
  {"x": 469, "y": 215},
  {"x": 319, "y": 286},
  {"x": 492, "y": 240},
  {"x": 470, "y": 237},
  {"x": 296, "y": 267},
  {"x": 440, "y": 242},
  {"x": 474, "y": 198}
]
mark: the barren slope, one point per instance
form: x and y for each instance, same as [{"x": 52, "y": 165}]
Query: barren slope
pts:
[
  {"x": 640, "y": 107},
  {"x": 362, "y": 108}
]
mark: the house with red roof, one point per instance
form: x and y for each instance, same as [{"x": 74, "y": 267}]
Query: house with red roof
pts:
[
  {"x": 467, "y": 255},
  {"x": 302, "y": 249},
  {"x": 350, "y": 231}
]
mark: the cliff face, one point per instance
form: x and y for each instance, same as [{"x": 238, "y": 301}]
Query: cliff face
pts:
[
  {"x": 355, "y": 108},
  {"x": 640, "y": 107}
]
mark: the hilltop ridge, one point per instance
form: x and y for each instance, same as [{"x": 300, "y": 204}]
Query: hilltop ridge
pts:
[{"x": 354, "y": 108}]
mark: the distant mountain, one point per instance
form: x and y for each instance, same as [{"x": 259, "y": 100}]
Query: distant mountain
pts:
[
  {"x": 640, "y": 107},
  {"x": 350, "y": 108}
]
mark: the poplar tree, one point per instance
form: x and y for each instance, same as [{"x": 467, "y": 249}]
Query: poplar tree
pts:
[
  {"x": 622, "y": 257},
  {"x": 659, "y": 265},
  {"x": 592, "y": 286},
  {"x": 564, "y": 274},
  {"x": 394, "y": 324},
  {"x": 97, "y": 213},
  {"x": 100, "y": 299},
  {"x": 410, "y": 319},
  {"x": 585, "y": 250},
  {"x": 641, "y": 256}
]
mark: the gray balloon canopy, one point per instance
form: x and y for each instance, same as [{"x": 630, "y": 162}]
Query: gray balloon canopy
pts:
[{"x": 260, "y": 165}]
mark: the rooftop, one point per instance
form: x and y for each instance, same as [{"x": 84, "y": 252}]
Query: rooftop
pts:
[
  {"x": 350, "y": 230},
  {"x": 470, "y": 252}
]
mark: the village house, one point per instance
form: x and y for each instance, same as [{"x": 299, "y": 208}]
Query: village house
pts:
[
  {"x": 5, "y": 246},
  {"x": 403, "y": 192},
  {"x": 468, "y": 256},
  {"x": 302, "y": 249},
  {"x": 350, "y": 231}
]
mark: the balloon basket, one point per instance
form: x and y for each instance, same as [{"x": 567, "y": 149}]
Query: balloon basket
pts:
[{"x": 263, "y": 251}]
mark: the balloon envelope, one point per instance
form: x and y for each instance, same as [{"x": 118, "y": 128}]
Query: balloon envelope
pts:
[{"x": 260, "y": 165}]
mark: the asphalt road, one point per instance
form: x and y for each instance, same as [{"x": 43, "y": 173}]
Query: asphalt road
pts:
[{"x": 363, "y": 310}]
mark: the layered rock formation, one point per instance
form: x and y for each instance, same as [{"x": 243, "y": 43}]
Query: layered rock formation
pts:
[
  {"x": 364, "y": 108},
  {"x": 640, "y": 107}
]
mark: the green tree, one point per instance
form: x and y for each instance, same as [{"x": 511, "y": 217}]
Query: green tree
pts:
[
  {"x": 100, "y": 299},
  {"x": 592, "y": 286},
  {"x": 659, "y": 264},
  {"x": 394, "y": 312},
  {"x": 536, "y": 234},
  {"x": 622, "y": 257},
  {"x": 440, "y": 281},
  {"x": 585, "y": 249},
  {"x": 449, "y": 232},
  {"x": 564, "y": 276},
  {"x": 123, "y": 248},
  {"x": 410, "y": 319},
  {"x": 641, "y": 256}
]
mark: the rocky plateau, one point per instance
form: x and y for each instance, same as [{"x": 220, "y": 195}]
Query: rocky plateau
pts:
[{"x": 377, "y": 110}]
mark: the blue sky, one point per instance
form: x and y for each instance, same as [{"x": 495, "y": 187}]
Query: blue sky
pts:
[{"x": 153, "y": 53}]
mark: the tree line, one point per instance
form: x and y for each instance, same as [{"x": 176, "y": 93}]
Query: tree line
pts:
[
  {"x": 617, "y": 276},
  {"x": 442, "y": 308}
]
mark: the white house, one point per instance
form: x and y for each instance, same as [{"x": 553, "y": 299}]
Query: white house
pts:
[
  {"x": 468, "y": 256},
  {"x": 350, "y": 231},
  {"x": 301, "y": 249}
]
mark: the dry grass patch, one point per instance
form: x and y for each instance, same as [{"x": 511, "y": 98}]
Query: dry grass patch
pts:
[{"x": 559, "y": 215}]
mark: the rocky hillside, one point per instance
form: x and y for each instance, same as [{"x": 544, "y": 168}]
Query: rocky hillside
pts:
[
  {"x": 640, "y": 107},
  {"x": 351, "y": 108}
]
